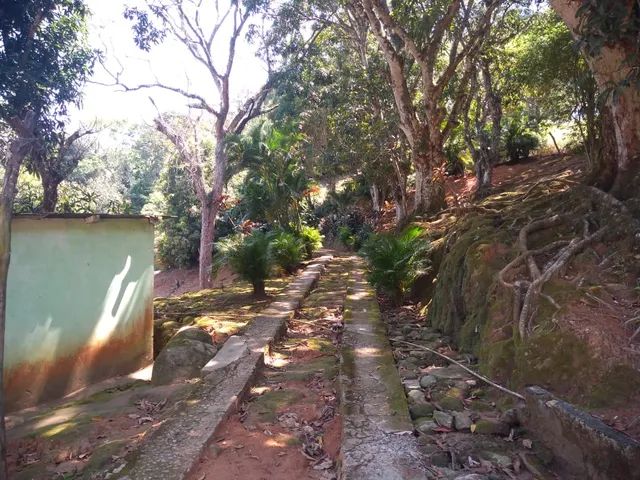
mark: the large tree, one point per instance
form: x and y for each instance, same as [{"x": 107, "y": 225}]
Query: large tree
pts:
[
  {"x": 55, "y": 160},
  {"x": 44, "y": 60},
  {"x": 433, "y": 38},
  {"x": 209, "y": 32},
  {"x": 609, "y": 34}
]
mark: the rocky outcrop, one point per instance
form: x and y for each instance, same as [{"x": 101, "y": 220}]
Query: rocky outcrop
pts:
[{"x": 183, "y": 357}]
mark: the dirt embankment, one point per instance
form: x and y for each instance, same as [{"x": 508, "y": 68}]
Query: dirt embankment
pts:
[{"x": 540, "y": 282}]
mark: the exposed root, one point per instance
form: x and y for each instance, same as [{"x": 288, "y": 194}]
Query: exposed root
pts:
[
  {"x": 560, "y": 261},
  {"x": 526, "y": 292}
]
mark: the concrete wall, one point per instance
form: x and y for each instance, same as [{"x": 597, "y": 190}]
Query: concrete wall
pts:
[{"x": 79, "y": 305}]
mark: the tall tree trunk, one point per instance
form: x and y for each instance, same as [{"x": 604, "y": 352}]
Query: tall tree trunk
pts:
[
  {"x": 50, "y": 196},
  {"x": 18, "y": 151},
  {"x": 207, "y": 235},
  {"x": 429, "y": 162},
  {"x": 376, "y": 198},
  {"x": 609, "y": 68},
  {"x": 484, "y": 171},
  {"x": 210, "y": 209}
]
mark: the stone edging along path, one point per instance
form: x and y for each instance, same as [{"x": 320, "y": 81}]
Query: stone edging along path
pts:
[
  {"x": 378, "y": 441},
  {"x": 172, "y": 451}
]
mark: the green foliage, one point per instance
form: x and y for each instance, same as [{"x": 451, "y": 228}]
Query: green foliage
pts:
[
  {"x": 395, "y": 260},
  {"x": 29, "y": 195},
  {"x": 287, "y": 250},
  {"x": 350, "y": 228},
  {"x": 519, "y": 140},
  {"x": 277, "y": 187},
  {"x": 250, "y": 256},
  {"x": 178, "y": 238},
  {"x": 312, "y": 240},
  {"x": 44, "y": 57}
]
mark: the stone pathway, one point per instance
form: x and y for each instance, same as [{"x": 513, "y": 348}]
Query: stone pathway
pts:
[
  {"x": 466, "y": 429},
  {"x": 378, "y": 441}
]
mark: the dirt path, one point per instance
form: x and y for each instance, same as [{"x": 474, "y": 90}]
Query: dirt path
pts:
[{"x": 289, "y": 427}]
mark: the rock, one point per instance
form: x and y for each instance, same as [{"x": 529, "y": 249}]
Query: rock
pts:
[
  {"x": 425, "y": 425},
  {"x": 411, "y": 384},
  {"x": 496, "y": 458},
  {"x": 440, "y": 459},
  {"x": 462, "y": 420},
  {"x": 510, "y": 417},
  {"x": 452, "y": 372},
  {"x": 492, "y": 427},
  {"x": 429, "y": 336},
  {"x": 183, "y": 357},
  {"x": 421, "y": 410},
  {"x": 416, "y": 397},
  {"x": 443, "y": 419},
  {"x": 451, "y": 403},
  {"x": 193, "y": 333},
  {"x": 428, "y": 380}
]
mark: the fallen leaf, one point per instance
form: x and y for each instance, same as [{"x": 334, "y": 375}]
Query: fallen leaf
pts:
[{"x": 526, "y": 443}]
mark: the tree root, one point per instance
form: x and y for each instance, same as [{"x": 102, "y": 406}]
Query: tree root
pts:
[{"x": 526, "y": 292}]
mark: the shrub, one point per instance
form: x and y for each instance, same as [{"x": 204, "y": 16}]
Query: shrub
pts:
[
  {"x": 287, "y": 250},
  {"x": 395, "y": 261},
  {"x": 312, "y": 240},
  {"x": 519, "y": 138},
  {"x": 249, "y": 256}
]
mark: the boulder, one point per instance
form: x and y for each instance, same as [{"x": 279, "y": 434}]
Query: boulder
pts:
[
  {"x": 462, "y": 420},
  {"x": 443, "y": 419},
  {"x": 416, "y": 397},
  {"x": 427, "y": 381},
  {"x": 183, "y": 357},
  {"x": 425, "y": 425},
  {"x": 421, "y": 410}
]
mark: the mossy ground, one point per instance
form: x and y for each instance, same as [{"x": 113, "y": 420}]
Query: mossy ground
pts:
[
  {"x": 225, "y": 311},
  {"x": 465, "y": 301}
]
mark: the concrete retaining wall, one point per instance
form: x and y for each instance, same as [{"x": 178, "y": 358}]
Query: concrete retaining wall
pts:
[
  {"x": 79, "y": 304},
  {"x": 586, "y": 446}
]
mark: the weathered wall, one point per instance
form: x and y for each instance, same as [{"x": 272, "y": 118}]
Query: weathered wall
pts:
[{"x": 80, "y": 305}]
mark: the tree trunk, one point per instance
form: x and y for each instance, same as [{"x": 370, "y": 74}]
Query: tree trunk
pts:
[
  {"x": 18, "y": 151},
  {"x": 210, "y": 207},
  {"x": 50, "y": 196},
  {"x": 484, "y": 170},
  {"x": 259, "y": 288},
  {"x": 609, "y": 68},
  {"x": 376, "y": 203},
  {"x": 207, "y": 235},
  {"x": 430, "y": 195}
]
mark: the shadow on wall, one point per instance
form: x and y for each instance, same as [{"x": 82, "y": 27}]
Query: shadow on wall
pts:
[{"x": 98, "y": 311}]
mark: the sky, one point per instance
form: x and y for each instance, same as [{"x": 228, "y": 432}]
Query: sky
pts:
[{"x": 168, "y": 62}]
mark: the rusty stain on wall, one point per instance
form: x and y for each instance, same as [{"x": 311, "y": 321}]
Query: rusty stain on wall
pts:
[{"x": 80, "y": 305}]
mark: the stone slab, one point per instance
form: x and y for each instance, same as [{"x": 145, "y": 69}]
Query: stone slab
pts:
[
  {"x": 378, "y": 441},
  {"x": 173, "y": 450},
  {"x": 586, "y": 445}
]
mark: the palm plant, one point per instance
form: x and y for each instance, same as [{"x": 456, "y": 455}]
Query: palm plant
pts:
[
  {"x": 287, "y": 250},
  {"x": 395, "y": 261},
  {"x": 249, "y": 256},
  {"x": 311, "y": 238}
]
